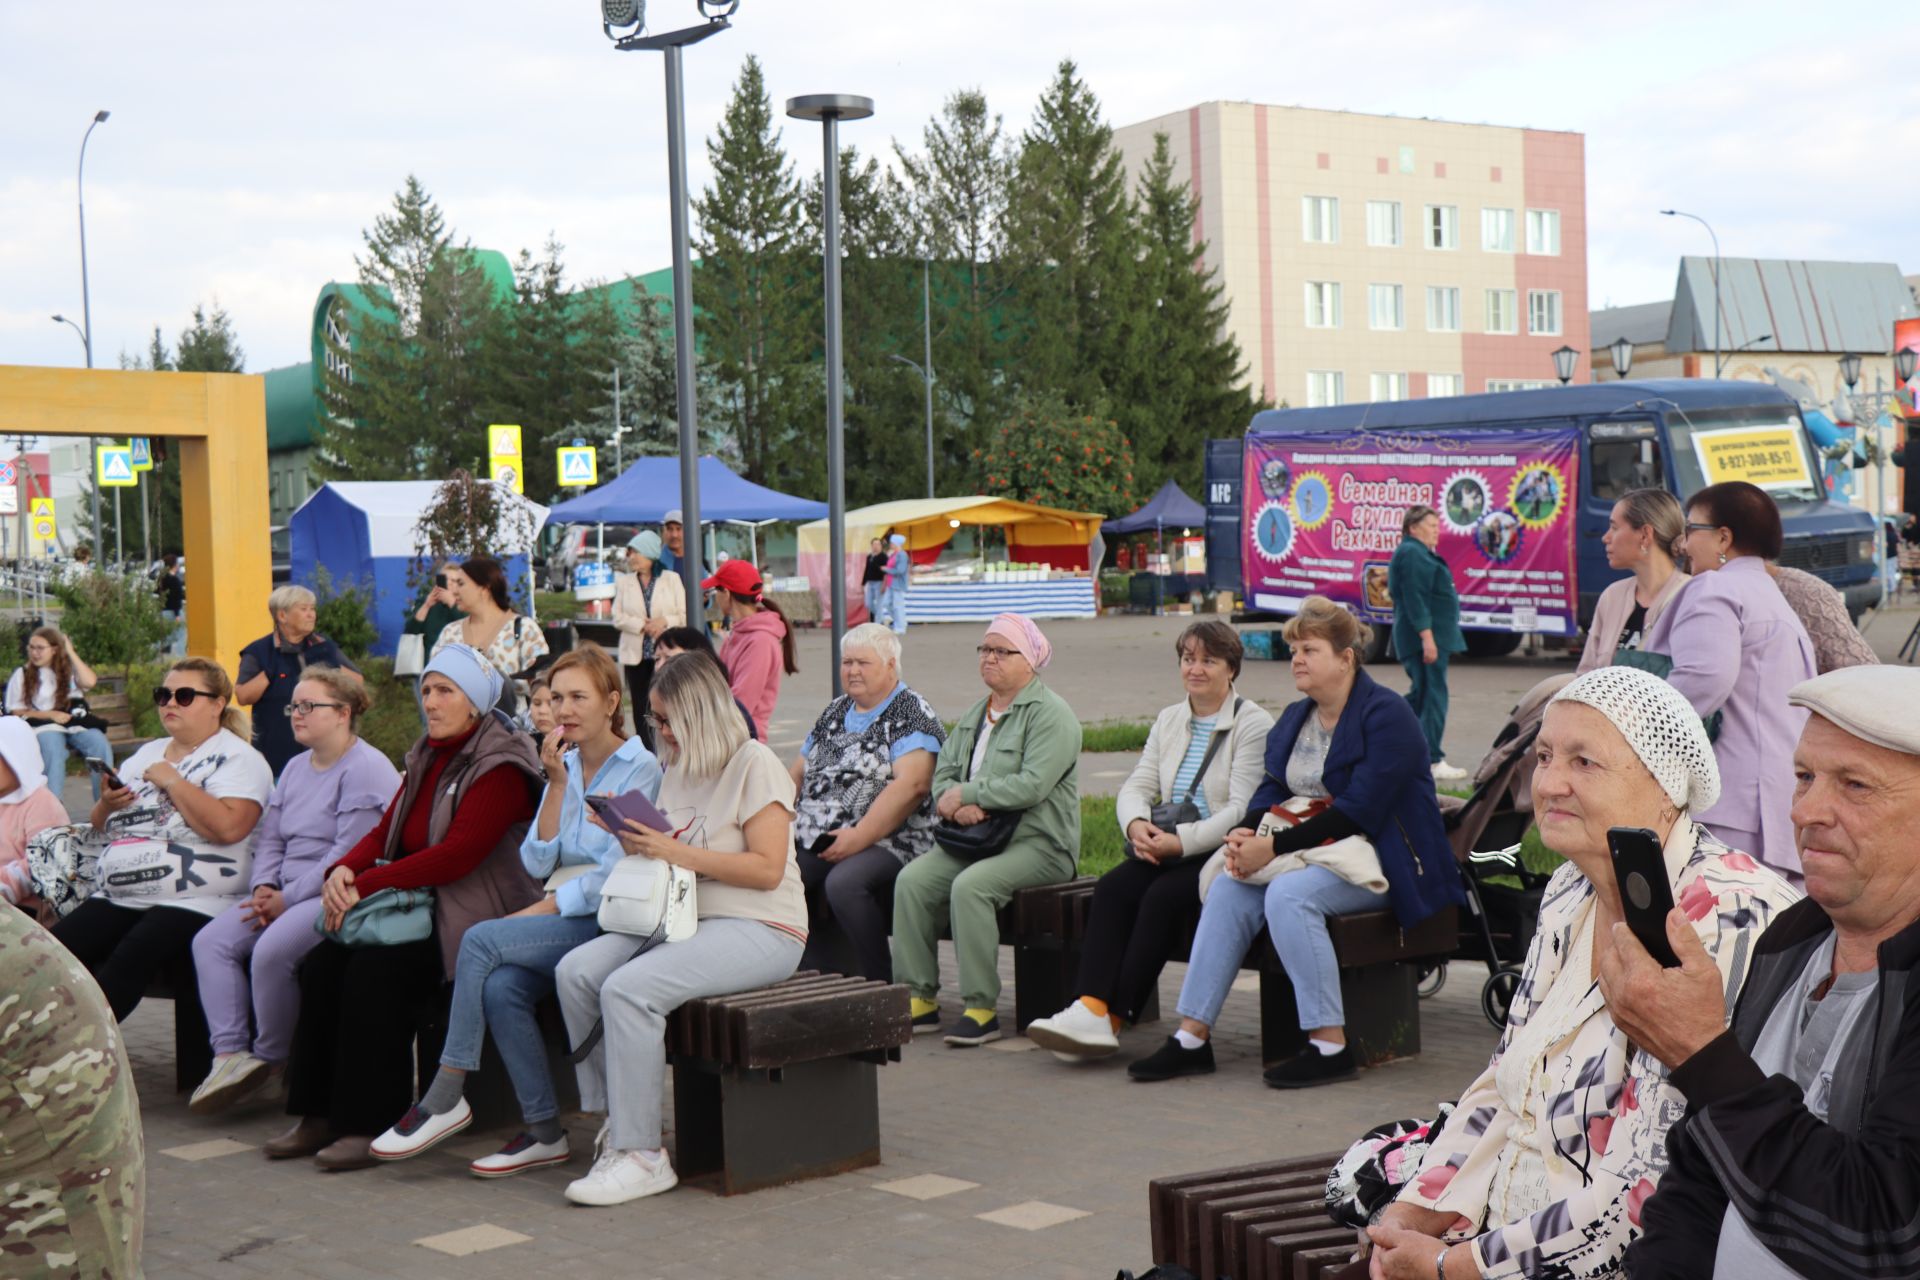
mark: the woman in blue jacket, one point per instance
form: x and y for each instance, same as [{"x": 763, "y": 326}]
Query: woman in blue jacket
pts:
[
  {"x": 1357, "y": 747},
  {"x": 1426, "y": 627},
  {"x": 507, "y": 965}
]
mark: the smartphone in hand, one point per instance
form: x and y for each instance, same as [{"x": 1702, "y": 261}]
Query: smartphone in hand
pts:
[
  {"x": 106, "y": 772},
  {"x": 1646, "y": 898}
]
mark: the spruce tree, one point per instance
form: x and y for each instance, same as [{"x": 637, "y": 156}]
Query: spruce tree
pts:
[
  {"x": 758, "y": 309},
  {"x": 1191, "y": 381},
  {"x": 555, "y": 348},
  {"x": 648, "y": 390}
]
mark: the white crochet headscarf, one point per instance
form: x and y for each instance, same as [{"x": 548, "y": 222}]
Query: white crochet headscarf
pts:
[{"x": 1660, "y": 725}]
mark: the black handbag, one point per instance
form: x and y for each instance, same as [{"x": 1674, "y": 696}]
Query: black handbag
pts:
[
  {"x": 982, "y": 839},
  {"x": 1169, "y": 814}
]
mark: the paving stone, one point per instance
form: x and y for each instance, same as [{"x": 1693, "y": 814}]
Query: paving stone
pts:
[
  {"x": 469, "y": 1240},
  {"x": 926, "y": 1186},
  {"x": 1032, "y": 1215},
  {"x": 212, "y": 1149},
  {"x": 1013, "y": 1044}
]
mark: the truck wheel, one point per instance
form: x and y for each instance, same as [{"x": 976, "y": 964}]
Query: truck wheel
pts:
[{"x": 1492, "y": 644}]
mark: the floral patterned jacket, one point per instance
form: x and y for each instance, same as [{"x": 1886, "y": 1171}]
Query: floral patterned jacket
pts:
[{"x": 1595, "y": 1107}]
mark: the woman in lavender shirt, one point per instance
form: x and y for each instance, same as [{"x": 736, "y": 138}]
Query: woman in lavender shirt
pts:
[{"x": 328, "y": 797}]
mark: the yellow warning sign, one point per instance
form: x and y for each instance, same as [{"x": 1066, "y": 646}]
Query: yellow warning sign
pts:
[
  {"x": 505, "y": 468},
  {"x": 1770, "y": 457},
  {"x": 40, "y": 518},
  {"x": 503, "y": 439}
]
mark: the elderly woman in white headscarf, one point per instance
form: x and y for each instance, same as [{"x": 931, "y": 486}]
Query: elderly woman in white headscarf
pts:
[
  {"x": 28, "y": 806},
  {"x": 1543, "y": 1165}
]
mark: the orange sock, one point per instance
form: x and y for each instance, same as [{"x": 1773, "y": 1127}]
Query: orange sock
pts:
[{"x": 1098, "y": 1008}]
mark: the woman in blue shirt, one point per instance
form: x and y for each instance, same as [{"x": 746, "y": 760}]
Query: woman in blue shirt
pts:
[{"x": 506, "y": 966}]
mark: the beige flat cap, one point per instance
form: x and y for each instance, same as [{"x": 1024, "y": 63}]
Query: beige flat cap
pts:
[{"x": 1878, "y": 704}]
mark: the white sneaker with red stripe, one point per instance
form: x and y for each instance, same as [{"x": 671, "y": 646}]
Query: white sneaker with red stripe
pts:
[
  {"x": 523, "y": 1153},
  {"x": 420, "y": 1129}
]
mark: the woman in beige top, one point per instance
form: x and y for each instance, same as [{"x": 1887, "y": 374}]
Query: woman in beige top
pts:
[{"x": 645, "y": 603}]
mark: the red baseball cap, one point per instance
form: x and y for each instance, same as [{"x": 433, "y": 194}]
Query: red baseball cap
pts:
[{"x": 739, "y": 577}]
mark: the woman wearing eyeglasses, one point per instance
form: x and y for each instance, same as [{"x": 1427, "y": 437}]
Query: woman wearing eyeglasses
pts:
[
  {"x": 1014, "y": 755},
  {"x": 328, "y": 796},
  {"x": 180, "y": 828}
]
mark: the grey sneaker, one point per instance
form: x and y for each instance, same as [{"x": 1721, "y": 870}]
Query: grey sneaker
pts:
[{"x": 965, "y": 1033}]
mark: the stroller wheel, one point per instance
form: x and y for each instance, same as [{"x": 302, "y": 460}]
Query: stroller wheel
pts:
[
  {"x": 1432, "y": 978},
  {"x": 1496, "y": 997}
]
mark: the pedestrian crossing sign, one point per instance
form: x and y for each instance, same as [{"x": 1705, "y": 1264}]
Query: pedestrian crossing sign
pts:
[
  {"x": 113, "y": 466},
  {"x": 142, "y": 449},
  {"x": 579, "y": 465}
]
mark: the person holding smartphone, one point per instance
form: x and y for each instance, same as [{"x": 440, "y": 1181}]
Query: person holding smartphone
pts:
[
  {"x": 506, "y": 966},
  {"x": 1549, "y": 1156},
  {"x": 437, "y": 610}
]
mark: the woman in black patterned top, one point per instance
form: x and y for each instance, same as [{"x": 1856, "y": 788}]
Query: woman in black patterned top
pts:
[{"x": 865, "y": 777}]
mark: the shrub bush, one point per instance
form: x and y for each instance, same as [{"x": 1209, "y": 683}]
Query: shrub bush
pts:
[
  {"x": 113, "y": 619},
  {"x": 345, "y": 614}
]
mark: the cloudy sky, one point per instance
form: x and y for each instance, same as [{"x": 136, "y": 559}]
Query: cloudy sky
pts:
[{"x": 250, "y": 143}]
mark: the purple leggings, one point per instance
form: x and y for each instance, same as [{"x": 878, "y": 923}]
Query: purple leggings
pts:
[{"x": 269, "y": 1002}]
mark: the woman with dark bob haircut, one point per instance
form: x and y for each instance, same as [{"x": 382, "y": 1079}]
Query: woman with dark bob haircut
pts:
[
  {"x": 1194, "y": 781},
  {"x": 1737, "y": 648}
]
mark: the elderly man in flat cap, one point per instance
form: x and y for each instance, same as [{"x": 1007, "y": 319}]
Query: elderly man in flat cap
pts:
[{"x": 1799, "y": 1154}]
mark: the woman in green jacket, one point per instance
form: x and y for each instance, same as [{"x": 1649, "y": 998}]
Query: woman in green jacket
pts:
[
  {"x": 1015, "y": 751},
  {"x": 1426, "y": 627}
]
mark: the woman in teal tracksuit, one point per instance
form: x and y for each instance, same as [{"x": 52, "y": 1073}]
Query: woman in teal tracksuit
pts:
[{"x": 1426, "y": 626}]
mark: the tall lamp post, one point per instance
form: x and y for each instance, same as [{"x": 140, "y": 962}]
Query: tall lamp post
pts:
[
  {"x": 1564, "y": 361},
  {"x": 830, "y": 109},
  {"x": 1717, "y": 310},
  {"x": 632, "y": 14},
  {"x": 1622, "y": 352},
  {"x": 926, "y": 373},
  {"x": 86, "y": 316}
]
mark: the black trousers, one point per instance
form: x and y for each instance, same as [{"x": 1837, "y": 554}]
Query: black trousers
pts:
[
  {"x": 124, "y": 948},
  {"x": 639, "y": 680},
  {"x": 1139, "y": 913},
  {"x": 352, "y": 1060},
  {"x": 854, "y": 896}
]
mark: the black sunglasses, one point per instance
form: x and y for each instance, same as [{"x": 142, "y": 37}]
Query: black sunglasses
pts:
[{"x": 163, "y": 695}]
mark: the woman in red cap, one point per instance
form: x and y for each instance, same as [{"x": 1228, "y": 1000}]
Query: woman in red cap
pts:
[{"x": 759, "y": 647}]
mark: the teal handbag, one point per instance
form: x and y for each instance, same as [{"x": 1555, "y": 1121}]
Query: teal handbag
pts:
[
  {"x": 384, "y": 918},
  {"x": 1660, "y": 664}
]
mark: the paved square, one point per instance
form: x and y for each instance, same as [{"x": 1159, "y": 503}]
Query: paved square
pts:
[
  {"x": 1032, "y": 1215},
  {"x": 926, "y": 1186},
  {"x": 211, "y": 1150},
  {"x": 469, "y": 1240}
]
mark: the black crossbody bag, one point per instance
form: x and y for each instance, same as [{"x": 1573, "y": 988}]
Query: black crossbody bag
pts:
[
  {"x": 982, "y": 839},
  {"x": 1171, "y": 813}
]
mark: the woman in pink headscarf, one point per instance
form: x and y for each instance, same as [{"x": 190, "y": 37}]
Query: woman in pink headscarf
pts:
[{"x": 1007, "y": 789}]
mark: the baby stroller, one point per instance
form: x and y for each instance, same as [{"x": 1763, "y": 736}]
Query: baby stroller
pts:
[{"x": 1496, "y": 817}]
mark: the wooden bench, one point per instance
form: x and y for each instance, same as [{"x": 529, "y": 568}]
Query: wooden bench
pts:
[
  {"x": 192, "y": 1050},
  {"x": 108, "y": 700},
  {"x": 779, "y": 1084},
  {"x": 1253, "y": 1222}
]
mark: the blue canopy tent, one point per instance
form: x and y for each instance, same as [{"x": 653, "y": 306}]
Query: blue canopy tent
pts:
[
  {"x": 362, "y": 534},
  {"x": 650, "y": 488},
  {"x": 1170, "y": 508}
]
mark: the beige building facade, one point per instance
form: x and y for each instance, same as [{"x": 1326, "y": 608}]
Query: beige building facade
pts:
[{"x": 1378, "y": 258}]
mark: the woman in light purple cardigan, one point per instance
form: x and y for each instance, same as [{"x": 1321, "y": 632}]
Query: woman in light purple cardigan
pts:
[
  {"x": 1737, "y": 648},
  {"x": 328, "y": 797}
]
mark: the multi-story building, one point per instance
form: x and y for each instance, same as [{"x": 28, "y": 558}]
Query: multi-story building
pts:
[{"x": 1377, "y": 258}]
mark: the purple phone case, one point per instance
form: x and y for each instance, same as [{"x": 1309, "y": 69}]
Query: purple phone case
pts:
[{"x": 635, "y": 805}]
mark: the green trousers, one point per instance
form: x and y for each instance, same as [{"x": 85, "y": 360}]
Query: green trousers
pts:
[{"x": 936, "y": 887}]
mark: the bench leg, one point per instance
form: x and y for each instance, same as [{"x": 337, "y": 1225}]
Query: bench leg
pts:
[
  {"x": 1383, "y": 1013},
  {"x": 1043, "y": 981},
  {"x": 744, "y": 1131},
  {"x": 192, "y": 1050}
]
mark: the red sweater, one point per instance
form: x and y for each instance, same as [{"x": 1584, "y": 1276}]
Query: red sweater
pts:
[{"x": 495, "y": 801}]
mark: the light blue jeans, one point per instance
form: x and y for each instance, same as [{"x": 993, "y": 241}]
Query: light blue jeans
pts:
[
  {"x": 895, "y": 603},
  {"x": 505, "y": 970},
  {"x": 875, "y": 595},
  {"x": 55, "y": 744},
  {"x": 1294, "y": 907}
]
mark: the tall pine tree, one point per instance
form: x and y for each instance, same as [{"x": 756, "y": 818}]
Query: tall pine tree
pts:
[
  {"x": 648, "y": 389},
  {"x": 754, "y": 292}
]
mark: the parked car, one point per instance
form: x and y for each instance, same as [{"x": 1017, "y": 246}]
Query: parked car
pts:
[{"x": 578, "y": 544}]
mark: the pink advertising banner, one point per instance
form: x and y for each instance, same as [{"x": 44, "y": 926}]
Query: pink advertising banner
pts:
[{"x": 1322, "y": 513}]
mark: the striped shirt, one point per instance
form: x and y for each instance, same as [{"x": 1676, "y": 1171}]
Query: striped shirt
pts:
[{"x": 1190, "y": 766}]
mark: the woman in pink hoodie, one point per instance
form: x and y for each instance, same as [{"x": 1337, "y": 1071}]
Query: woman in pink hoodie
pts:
[
  {"x": 759, "y": 647},
  {"x": 28, "y": 806}
]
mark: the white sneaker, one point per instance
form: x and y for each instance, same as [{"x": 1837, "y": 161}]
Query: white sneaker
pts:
[
  {"x": 620, "y": 1176},
  {"x": 1444, "y": 772},
  {"x": 523, "y": 1153},
  {"x": 1076, "y": 1031},
  {"x": 418, "y": 1129},
  {"x": 232, "y": 1078}
]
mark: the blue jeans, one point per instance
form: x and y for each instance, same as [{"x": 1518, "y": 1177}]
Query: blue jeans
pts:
[
  {"x": 895, "y": 604},
  {"x": 875, "y": 595},
  {"x": 505, "y": 970},
  {"x": 56, "y": 743},
  {"x": 1294, "y": 907}
]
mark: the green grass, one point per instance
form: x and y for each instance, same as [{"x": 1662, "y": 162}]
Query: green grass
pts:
[
  {"x": 1114, "y": 735},
  {"x": 1101, "y": 845},
  {"x": 553, "y": 605}
]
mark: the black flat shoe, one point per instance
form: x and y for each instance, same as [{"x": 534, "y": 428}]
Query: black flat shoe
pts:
[
  {"x": 1170, "y": 1061},
  {"x": 1310, "y": 1068}
]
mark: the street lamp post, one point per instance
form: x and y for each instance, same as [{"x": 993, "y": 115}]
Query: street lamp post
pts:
[
  {"x": 926, "y": 374},
  {"x": 1717, "y": 311},
  {"x": 926, "y": 332},
  {"x": 1564, "y": 360},
  {"x": 86, "y": 315},
  {"x": 830, "y": 109},
  {"x": 632, "y": 13},
  {"x": 1622, "y": 352}
]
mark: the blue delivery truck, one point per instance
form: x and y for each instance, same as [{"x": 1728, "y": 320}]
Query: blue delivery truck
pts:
[{"x": 1308, "y": 501}]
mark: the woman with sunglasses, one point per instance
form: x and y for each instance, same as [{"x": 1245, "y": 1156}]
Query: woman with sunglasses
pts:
[
  {"x": 180, "y": 815},
  {"x": 328, "y": 796}
]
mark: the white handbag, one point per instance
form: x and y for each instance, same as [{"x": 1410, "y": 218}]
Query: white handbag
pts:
[
  {"x": 649, "y": 899},
  {"x": 410, "y": 657}
]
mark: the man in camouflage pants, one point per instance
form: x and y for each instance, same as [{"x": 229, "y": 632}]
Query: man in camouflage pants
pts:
[{"x": 72, "y": 1170}]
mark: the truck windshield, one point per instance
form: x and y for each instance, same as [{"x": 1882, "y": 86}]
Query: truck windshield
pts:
[{"x": 1766, "y": 445}]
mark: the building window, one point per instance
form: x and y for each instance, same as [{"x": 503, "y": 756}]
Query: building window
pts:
[
  {"x": 1386, "y": 306},
  {"x": 1443, "y": 226},
  {"x": 1496, "y": 230},
  {"x": 1325, "y": 387},
  {"x": 1389, "y": 386},
  {"x": 1320, "y": 219},
  {"x": 1501, "y": 315},
  {"x": 1443, "y": 309},
  {"x": 1518, "y": 384},
  {"x": 1383, "y": 223},
  {"x": 1543, "y": 231},
  {"x": 1323, "y": 304},
  {"x": 1543, "y": 311},
  {"x": 1445, "y": 384}
]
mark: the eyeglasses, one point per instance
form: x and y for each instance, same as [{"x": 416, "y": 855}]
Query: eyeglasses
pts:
[
  {"x": 1694, "y": 526},
  {"x": 657, "y": 722},
  {"x": 308, "y": 708},
  {"x": 998, "y": 655},
  {"x": 163, "y": 695}
]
